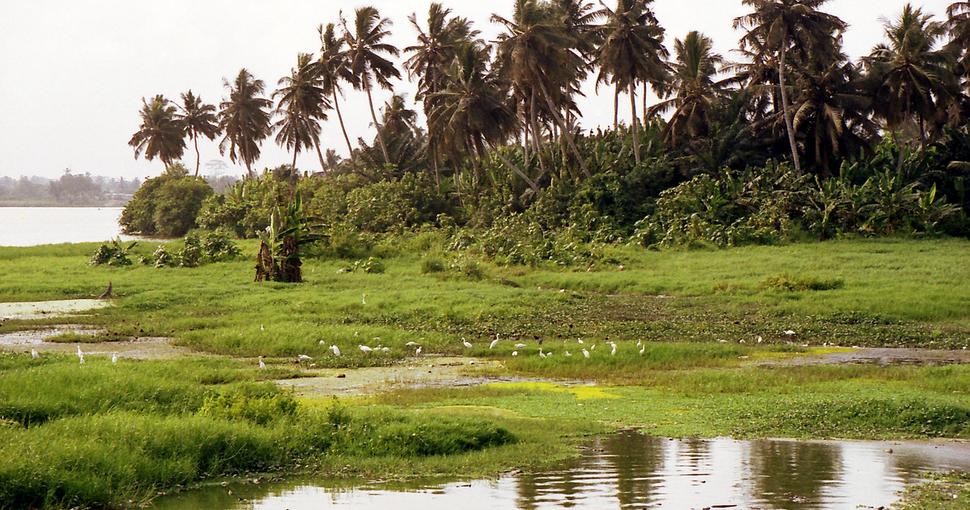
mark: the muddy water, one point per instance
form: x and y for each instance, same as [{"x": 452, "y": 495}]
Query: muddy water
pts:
[
  {"x": 630, "y": 471},
  {"x": 45, "y": 309}
]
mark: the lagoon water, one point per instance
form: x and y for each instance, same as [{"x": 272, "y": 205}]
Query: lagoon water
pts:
[
  {"x": 632, "y": 471},
  {"x": 31, "y": 226}
]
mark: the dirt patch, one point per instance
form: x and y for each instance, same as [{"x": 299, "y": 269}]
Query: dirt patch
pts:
[
  {"x": 430, "y": 372},
  {"x": 878, "y": 356}
]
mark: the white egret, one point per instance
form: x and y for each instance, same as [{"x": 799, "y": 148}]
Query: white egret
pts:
[
  {"x": 365, "y": 349},
  {"x": 613, "y": 348},
  {"x": 493, "y": 344},
  {"x": 515, "y": 353},
  {"x": 520, "y": 346},
  {"x": 262, "y": 365},
  {"x": 321, "y": 342},
  {"x": 34, "y": 354},
  {"x": 335, "y": 350},
  {"x": 568, "y": 355},
  {"x": 466, "y": 343},
  {"x": 417, "y": 351},
  {"x": 760, "y": 339},
  {"x": 592, "y": 347},
  {"x": 411, "y": 344},
  {"x": 363, "y": 299},
  {"x": 579, "y": 341},
  {"x": 79, "y": 353},
  {"x": 114, "y": 358},
  {"x": 386, "y": 349},
  {"x": 81, "y": 358},
  {"x": 304, "y": 357},
  {"x": 542, "y": 354},
  {"x": 643, "y": 349},
  {"x": 261, "y": 328},
  {"x": 585, "y": 354},
  {"x": 789, "y": 332}
]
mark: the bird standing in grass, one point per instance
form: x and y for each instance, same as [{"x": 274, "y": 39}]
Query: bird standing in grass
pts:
[
  {"x": 363, "y": 299},
  {"x": 515, "y": 353},
  {"x": 585, "y": 354},
  {"x": 34, "y": 354},
  {"x": 364, "y": 349},
  {"x": 493, "y": 344},
  {"x": 335, "y": 350},
  {"x": 466, "y": 343},
  {"x": 262, "y": 364},
  {"x": 114, "y": 358},
  {"x": 612, "y": 348},
  {"x": 417, "y": 351}
]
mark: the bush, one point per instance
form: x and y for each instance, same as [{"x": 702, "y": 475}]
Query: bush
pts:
[
  {"x": 790, "y": 283},
  {"x": 113, "y": 253},
  {"x": 432, "y": 265},
  {"x": 199, "y": 248},
  {"x": 166, "y": 205}
]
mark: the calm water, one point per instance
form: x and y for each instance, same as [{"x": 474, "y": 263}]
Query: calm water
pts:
[
  {"x": 630, "y": 471},
  {"x": 30, "y": 226}
]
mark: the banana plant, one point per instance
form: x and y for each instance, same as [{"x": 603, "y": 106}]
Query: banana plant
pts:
[{"x": 282, "y": 243}]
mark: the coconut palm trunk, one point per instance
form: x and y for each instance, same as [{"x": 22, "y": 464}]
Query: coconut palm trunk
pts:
[
  {"x": 569, "y": 134},
  {"x": 616, "y": 107},
  {"x": 343, "y": 128},
  {"x": 373, "y": 114},
  {"x": 785, "y": 109},
  {"x": 198, "y": 158},
  {"x": 635, "y": 123}
]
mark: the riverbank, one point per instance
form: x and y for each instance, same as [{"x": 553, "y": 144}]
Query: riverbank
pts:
[{"x": 707, "y": 344}]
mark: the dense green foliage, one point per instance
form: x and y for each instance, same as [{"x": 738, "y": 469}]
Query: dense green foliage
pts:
[{"x": 165, "y": 206}]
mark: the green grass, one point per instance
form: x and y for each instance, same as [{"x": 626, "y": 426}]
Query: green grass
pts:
[
  {"x": 66, "y": 429},
  {"x": 893, "y": 292}
]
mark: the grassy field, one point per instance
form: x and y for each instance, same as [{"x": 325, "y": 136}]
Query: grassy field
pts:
[{"x": 697, "y": 316}]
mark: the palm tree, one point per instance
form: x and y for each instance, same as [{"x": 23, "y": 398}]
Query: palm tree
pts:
[
  {"x": 910, "y": 75},
  {"x": 302, "y": 105},
  {"x": 472, "y": 108},
  {"x": 693, "y": 87},
  {"x": 245, "y": 119},
  {"x": 958, "y": 23},
  {"x": 430, "y": 59},
  {"x": 538, "y": 57},
  {"x": 632, "y": 52},
  {"x": 366, "y": 50},
  {"x": 334, "y": 69},
  {"x": 780, "y": 26},
  {"x": 161, "y": 133},
  {"x": 832, "y": 110},
  {"x": 198, "y": 119}
]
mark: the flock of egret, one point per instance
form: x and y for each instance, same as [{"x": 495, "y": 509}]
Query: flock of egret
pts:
[
  {"x": 366, "y": 349},
  {"x": 80, "y": 355}
]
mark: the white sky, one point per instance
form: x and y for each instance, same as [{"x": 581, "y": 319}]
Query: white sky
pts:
[{"x": 73, "y": 72}]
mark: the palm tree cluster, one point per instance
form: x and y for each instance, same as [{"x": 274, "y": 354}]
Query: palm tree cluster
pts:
[{"x": 793, "y": 91}]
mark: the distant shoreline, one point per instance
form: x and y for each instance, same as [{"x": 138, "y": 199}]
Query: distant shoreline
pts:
[{"x": 66, "y": 206}]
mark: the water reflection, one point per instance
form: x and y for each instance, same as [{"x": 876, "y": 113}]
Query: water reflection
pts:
[{"x": 630, "y": 471}]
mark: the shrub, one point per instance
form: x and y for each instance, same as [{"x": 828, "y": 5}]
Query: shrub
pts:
[
  {"x": 166, "y": 205},
  {"x": 791, "y": 283},
  {"x": 432, "y": 265},
  {"x": 113, "y": 253}
]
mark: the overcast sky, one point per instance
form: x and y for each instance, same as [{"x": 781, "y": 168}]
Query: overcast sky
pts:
[{"x": 74, "y": 71}]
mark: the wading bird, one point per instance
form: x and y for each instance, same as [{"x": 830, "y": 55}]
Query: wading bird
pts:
[
  {"x": 515, "y": 353},
  {"x": 493, "y": 344},
  {"x": 417, "y": 351},
  {"x": 335, "y": 350},
  {"x": 585, "y": 354},
  {"x": 365, "y": 349},
  {"x": 262, "y": 365},
  {"x": 612, "y": 348},
  {"x": 34, "y": 354},
  {"x": 114, "y": 358},
  {"x": 466, "y": 343}
]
